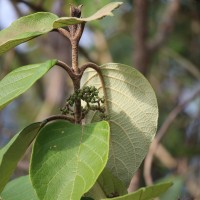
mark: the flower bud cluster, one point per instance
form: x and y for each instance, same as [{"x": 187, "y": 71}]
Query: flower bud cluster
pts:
[{"x": 90, "y": 95}]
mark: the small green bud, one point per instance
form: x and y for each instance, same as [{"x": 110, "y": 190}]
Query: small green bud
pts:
[
  {"x": 71, "y": 102},
  {"x": 102, "y": 100},
  {"x": 93, "y": 101}
]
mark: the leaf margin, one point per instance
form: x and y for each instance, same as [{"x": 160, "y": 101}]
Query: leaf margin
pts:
[{"x": 106, "y": 11}]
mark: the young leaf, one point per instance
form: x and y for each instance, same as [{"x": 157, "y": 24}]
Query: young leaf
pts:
[
  {"x": 147, "y": 193},
  {"x": 14, "y": 150},
  {"x": 26, "y": 28},
  {"x": 67, "y": 159},
  {"x": 19, "y": 189},
  {"x": 21, "y": 79},
  {"x": 103, "y": 12},
  {"x": 132, "y": 112}
]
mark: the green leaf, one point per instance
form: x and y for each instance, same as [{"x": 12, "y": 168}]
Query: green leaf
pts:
[
  {"x": 107, "y": 184},
  {"x": 67, "y": 159},
  {"x": 90, "y": 7},
  {"x": 110, "y": 184},
  {"x": 26, "y": 28},
  {"x": 21, "y": 79},
  {"x": 19, "y": 189},
  {"x": 103, "y": 12},
  {"x": 132, "y": 112},
  {"x": 175, "y": 191},
  {"x": 147, "y": 193},
  {"x": 14, "y": 150}
]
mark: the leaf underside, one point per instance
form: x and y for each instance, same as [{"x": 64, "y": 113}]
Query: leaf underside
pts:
[
  {"x": 14, "y": 150},
  {"x": 132, "y": 112},
  {"x": 26, "y": 28},
  {"x": 20, "y": 80},
  {"x": 67, "y": 159},
  {"x": 103, "y": 12}
]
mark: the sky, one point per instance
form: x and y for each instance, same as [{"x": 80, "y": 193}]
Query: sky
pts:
[{"x": 5, "y": 18}]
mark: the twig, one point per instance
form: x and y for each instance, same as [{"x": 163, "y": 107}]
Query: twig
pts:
[
  {"x": 64, "y": 32},
  {"x": 66, "y": 68},
  {"x": 163, "y": 130}
]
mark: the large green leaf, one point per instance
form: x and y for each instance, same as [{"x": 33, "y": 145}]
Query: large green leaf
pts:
[
  {"x": 67, "y": 159},
  {"x": 21, "y": 79},
  {"x": 105, "y": 11},
  {"x": 19, "y": 189},
  {"x": 147, "y": 193},
  {"x": 132, "y": 113},
  {"x": 26, "y": 28},
  {"x": 14, "y": 150}
]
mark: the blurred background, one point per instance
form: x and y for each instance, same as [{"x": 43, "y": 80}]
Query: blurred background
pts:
[{"x": 161, "y": 38}]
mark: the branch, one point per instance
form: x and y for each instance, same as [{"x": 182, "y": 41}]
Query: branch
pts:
[
  {"x": 64, "y": 32},
  {"x": 163, "y": 130},
  {"x": 165, "y": 27}
]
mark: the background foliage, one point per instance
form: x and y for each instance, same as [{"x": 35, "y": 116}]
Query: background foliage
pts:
[{"x": 163, "y": 41}]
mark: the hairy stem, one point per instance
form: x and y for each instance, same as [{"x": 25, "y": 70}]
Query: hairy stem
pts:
[
  {"x": 65, "y": 67},
  {"x": 74, "y": 44},
  {"x": 78, "y": 112}
]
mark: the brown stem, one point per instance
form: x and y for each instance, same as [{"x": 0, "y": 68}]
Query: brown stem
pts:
[
  {"x": 66, "y": 68},
  {"x": 76, "y": 78},
  {"x": 64, "y": 32},
  {"x": 77, "y": 110},
  {"x": 74, "y": 34},
  {"x": 75, "y": 68},
  {"x": 75, "y": 38}
]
